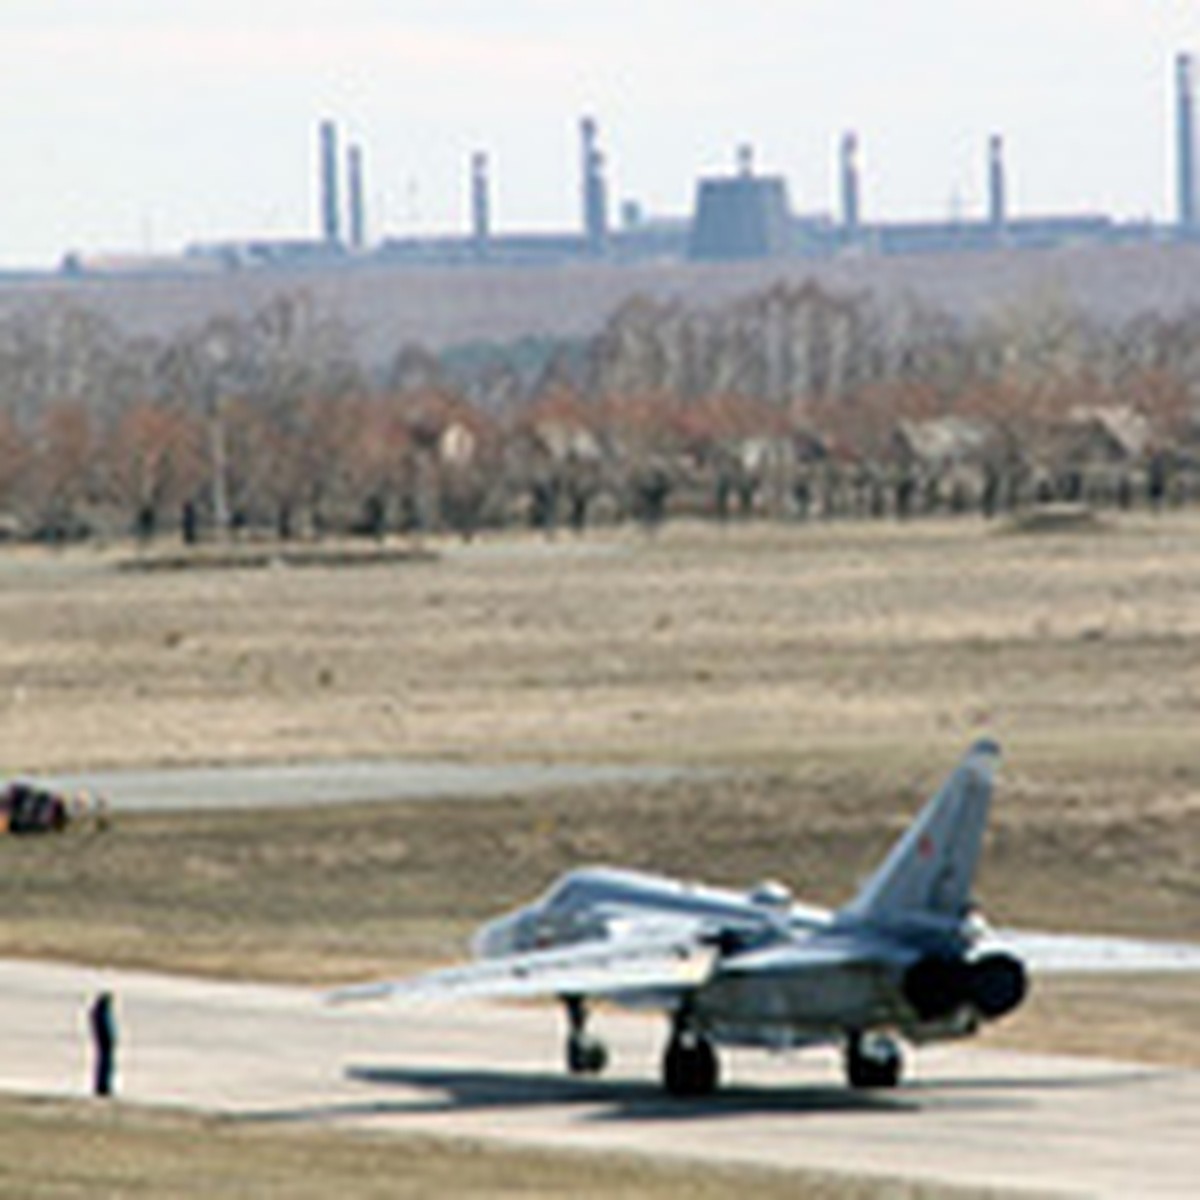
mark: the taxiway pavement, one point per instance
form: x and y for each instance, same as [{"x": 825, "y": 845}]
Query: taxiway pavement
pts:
[
  {"x": 968, "y": 1115},
  {"x": 296, "y": 785}
]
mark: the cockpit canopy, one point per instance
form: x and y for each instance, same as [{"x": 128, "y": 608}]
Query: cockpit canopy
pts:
[{"x": 771, "y": 894}]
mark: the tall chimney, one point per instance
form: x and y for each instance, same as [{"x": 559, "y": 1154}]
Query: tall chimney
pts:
[
  {"x": 331, "y": 229},
  {"x": 997, "y": 188},
  {"x": 481, "y": 206},
  {"x": 851, "y": 212},
  {"x": 1185, "y": 132},
  {"x": 595, "y": 195},
  {"x": 355, "y": 197}
]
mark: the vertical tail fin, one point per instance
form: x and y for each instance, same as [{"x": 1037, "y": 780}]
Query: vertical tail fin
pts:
[{"x": 930, "y": 870}]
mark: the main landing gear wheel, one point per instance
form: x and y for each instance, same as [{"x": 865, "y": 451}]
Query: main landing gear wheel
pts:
[
  {"x": 586, "y": 1055},
  {"x": 873, "y": 1061},
  {"x": 690, "y": 1066}
]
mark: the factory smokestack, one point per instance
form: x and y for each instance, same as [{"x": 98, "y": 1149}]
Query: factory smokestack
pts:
[
  {"x": 331, "y": 230},
  {"x": 997, "y": 185},
  {"x": 355, "y": 197},
  {"x": 595, "y": 193},
  {"x": 851, "y": 212},
  {"x": 1185, "y": 133},
  {"x": 481, "y": 205}
]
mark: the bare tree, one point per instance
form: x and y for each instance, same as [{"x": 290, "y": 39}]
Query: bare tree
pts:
[{"x": 155, "y": 462}]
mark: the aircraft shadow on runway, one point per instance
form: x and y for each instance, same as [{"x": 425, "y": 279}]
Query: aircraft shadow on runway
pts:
[
  {"x": 454, "y": 1089},
  {"x": 431, "y": 1090}
]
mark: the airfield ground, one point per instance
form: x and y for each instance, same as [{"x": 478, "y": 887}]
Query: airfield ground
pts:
[
  {"x": 56, "y": 1150},
  {"x": 825, "y": 677}
]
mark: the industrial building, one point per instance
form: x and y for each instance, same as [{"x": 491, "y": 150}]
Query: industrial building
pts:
[{"x": 742, "y": 216}]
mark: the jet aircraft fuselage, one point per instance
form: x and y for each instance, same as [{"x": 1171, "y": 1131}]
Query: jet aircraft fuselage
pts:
[{"x": 908, "y": 957}]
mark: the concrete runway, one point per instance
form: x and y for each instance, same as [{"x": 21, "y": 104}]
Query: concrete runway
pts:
[
  {"x": 294, "y": 785},
  {"x": 277, "y": 1055}
]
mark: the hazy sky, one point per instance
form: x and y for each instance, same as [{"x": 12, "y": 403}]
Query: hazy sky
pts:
[{"x": 136, "y": 124}]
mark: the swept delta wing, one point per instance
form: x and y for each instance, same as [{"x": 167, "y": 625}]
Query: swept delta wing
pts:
[{"x": 604, "y": 968}]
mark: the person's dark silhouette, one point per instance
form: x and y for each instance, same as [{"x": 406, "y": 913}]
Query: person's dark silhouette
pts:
[{"x": 104, "y": 1038}]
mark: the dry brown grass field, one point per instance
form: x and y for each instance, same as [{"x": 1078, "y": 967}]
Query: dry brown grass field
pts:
[
  {"x": 825, "y": 677},
  {"x": 77, "y": 1151},
  {"x": 762, "y": 646}
]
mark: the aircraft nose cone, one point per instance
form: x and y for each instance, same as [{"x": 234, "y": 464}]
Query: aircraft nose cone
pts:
[
  {"x": 494, "y": 939},
  {"x": 508, "y": 934}
]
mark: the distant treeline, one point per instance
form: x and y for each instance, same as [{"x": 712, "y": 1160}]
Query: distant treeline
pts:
[{"x": 796, "y": 401}]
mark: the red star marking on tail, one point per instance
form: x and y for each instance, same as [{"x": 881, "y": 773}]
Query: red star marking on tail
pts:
[{"x": 925, "y": 847}]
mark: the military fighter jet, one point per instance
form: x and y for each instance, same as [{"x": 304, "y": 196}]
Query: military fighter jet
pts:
[{"x": 908, "y": 957}]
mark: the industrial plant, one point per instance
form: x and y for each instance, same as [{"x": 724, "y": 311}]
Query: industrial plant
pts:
[
  {"x": 742, "y": 216},
  {"x": 490, "y": 284}
]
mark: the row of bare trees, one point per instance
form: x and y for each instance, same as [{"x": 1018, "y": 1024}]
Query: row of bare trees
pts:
[{"x": 273, "y": 421}]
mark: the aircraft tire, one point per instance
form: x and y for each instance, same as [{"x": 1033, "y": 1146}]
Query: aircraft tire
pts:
[
  {"x": 690, "y": 1066},
  {"x": 873, "y": 1062},
  {"x": 586, "y": 1056}
]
